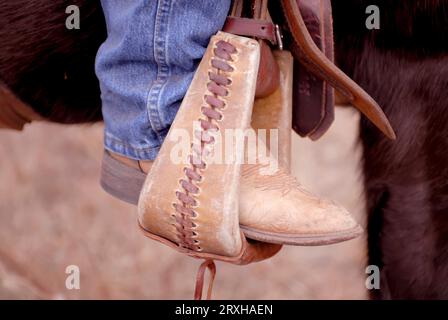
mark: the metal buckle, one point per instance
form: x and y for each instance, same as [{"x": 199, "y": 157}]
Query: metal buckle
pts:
[{"x": 279, "y": 36}]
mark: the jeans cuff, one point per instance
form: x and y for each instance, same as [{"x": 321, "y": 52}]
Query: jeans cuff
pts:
[{"x": 137, "y": 153}]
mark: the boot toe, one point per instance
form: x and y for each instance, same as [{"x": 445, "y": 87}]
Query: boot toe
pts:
[{"x": 317, "y": 225}]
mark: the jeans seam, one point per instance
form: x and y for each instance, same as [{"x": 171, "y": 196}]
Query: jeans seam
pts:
[{"x": 163, "y": 71}]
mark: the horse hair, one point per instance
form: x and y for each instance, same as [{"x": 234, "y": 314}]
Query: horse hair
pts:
[
  {"x": 48, "y": 66},
  {"x": 404, "y": 66}
]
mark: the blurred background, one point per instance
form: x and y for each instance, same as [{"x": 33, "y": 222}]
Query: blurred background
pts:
[{"x": 53, "y": 214}]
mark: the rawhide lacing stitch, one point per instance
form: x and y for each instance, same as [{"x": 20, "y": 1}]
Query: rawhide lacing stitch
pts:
[{"x": 212, "y": 110}]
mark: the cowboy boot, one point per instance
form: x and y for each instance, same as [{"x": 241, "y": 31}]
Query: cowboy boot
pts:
[
  {"x": 281, "y": 210},
  {"x": 266, "y": 217},
  {"x": 274, "y": 209}
]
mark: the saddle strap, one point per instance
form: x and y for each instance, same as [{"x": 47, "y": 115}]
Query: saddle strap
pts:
[
  {"x": 261, "y": 29},
  {"x": 250, "y": 18},
  {"x": 14, "y": 114},
  {"x": 311, "y": 57},
  {"x": 210, "y": 265},
  {"x": 313, "y": 111},
  {"x": 310, "y": 25}
]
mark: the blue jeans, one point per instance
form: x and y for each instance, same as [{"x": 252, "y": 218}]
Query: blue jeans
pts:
[{"x": 146, "y": 65}]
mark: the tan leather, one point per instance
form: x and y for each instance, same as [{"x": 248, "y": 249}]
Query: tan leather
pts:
[
  {"x": 251, "y": 250},
  {"x": 275, "y": 111},
  {"x": 280, "y": 208},
  {"x": 142, "y": 165},
  {"x": 311, "y": 57},
  {"x": 276, "y": 208},
  {"x": 260, "y": 9},
  {"x": 268, "y": 72},
  {"x": 14, "y": 114},
  {"x": 211, "y": 226},
  {"x": 200, "y": 278}
]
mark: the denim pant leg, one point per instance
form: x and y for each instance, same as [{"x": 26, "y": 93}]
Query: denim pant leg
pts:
[{"x": 146, "y": 65}]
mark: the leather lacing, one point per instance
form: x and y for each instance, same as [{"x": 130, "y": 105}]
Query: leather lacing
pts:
[{"x": 214, "y": 103}]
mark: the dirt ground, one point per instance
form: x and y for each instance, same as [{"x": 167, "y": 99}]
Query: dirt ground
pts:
[{"x": 53, "y": 214}]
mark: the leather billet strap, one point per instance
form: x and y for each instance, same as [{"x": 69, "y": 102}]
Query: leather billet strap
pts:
[
  {"x": 14, "y": 114},
  {"x": 305, "y": 50}
]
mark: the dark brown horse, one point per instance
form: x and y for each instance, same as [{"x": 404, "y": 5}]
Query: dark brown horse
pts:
[{"x": 403, "y": 65}]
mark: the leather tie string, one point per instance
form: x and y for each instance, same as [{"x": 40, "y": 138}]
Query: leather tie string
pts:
[{"x": 207, "y": 264}]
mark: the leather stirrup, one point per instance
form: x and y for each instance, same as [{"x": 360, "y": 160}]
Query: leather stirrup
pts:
[{"x": 193, "y": 206}]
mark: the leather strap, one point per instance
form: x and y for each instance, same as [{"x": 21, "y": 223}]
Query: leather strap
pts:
[
  {"x": 210, "y": 265},
  {"x": 14, "y": 114},
  {"x": 311, "y": 57},
  {"x": 313, "y": 111},
  {"x": 260, "y": 9},
  {"x": 237, "y": 8},
  {"x": 257, "y": 23},
  {"x": 261, "y": 29},
  {"x": 255, "y": 9}
]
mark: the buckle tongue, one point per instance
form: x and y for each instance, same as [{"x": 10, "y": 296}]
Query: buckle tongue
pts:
[{"x": 279, "y": 36}]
